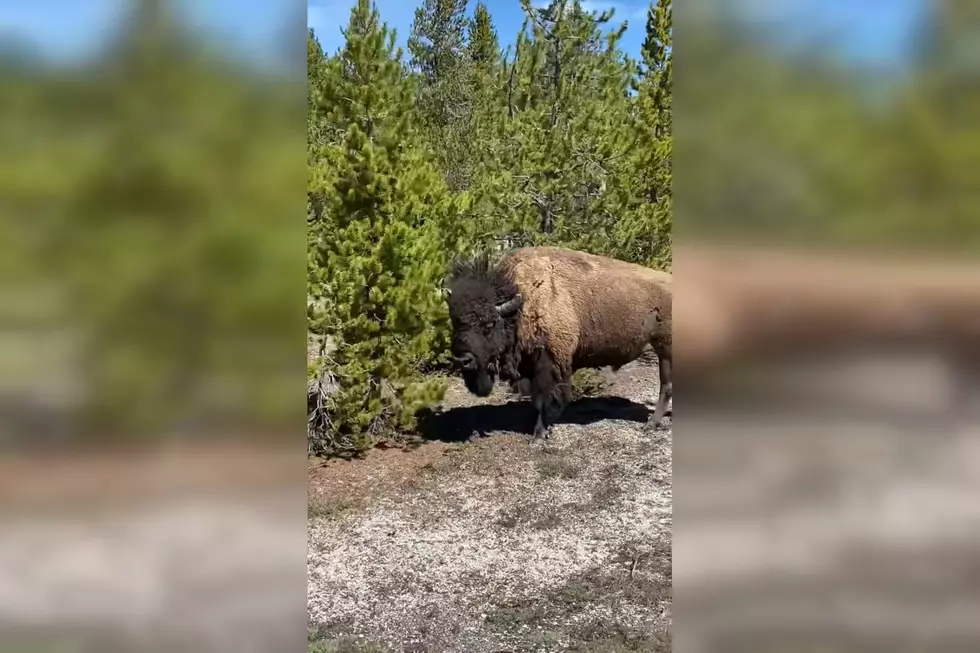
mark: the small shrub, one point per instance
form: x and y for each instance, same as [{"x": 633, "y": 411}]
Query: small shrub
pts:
[
  {"x": 318, "y": 641},
  {"x": 321, "y": 507},
  {"x": 343, "y": 645},
  {"x": 588, "y": 383},
  {"x": 558, "y": 466}
]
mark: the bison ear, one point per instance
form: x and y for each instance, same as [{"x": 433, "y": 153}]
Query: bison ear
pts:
[
  {"x": 511, "y": 306},
  {"x": 459, "y": 266}
]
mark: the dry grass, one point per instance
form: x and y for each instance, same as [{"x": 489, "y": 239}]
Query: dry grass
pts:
[
  {"x": 590, "y": 383},
  {"x": 320, "y": 641},
  {"x": 330, "y": 507},
  {"x": 593, "y": 609},
  {"x": 497, "y": 544},
  {"x": 556, "y": 465}
]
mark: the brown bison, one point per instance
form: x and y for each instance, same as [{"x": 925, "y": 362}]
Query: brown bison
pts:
[{"x": 543, "y": 312}]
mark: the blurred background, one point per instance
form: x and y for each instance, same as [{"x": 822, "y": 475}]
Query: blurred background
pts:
[
  {"x": 152, "y": 183},
  {"x": 828, "y": 320},
  {"x": 152, "y": 176},
  {"x": 834, "y": 121}
]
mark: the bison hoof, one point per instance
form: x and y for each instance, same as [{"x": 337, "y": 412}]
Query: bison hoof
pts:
[{"x": 652, "y": 424}]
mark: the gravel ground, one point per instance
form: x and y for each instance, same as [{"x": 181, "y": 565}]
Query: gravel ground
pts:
[
  {"x": 487, "y": 543},
  {"x": 166, "y": 552},
  {"x": 846, "y": 523}
]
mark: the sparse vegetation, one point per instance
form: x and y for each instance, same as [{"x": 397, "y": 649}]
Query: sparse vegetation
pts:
[
  {"x": 608, "y": 491},
  {"x": 588, "y": 383},
  {"x": 332, "y": 507},
  {"x": 556, "y": 465},
  {"x": 559, "y": 610},
  {"x": 320, "y": 643},
  {"x": 495, "y": 545}
]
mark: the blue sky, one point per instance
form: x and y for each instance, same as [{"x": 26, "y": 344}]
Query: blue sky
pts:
[
  {"x": 326, "y": 17},
  {"x": 67, "y": 30},
  {"x": 872, "y": 31}
]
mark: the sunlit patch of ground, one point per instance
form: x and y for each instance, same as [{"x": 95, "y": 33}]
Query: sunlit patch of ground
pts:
[{"x": 494, "y": 543}]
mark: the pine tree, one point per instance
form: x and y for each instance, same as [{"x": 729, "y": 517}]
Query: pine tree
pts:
[
  {"x": 438, "y": 39},
  {"x": 551, "y": 173},
  {"x": 939, "y": 130},
  {"x": 316, "y": 70},
  {"x": 658, "y": 63},
  {"x": 378, "y": 250},
  {"x": 174, "y": 245},
  {"x": 643, "y": 232},
  {"x": 481, "y": 137},
  {"x": 483, "y": 46},
  {"x": 439, "y": 56}
]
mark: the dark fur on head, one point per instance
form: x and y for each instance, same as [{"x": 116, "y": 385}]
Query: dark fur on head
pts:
[{"x": 484, "y": 307}]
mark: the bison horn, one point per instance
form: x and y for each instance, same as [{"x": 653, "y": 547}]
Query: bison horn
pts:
[{"x": 510, "y": 306}]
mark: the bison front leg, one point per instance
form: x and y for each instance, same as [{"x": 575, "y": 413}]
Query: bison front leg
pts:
[
  {"x": 540, "y": 425},
  {"x": 666, "y": 391},
  {"x": 521, "y": 387},
  {"x": 545, "y": 388}
]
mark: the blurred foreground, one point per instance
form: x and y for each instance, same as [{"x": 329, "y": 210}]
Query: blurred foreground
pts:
[
  {"x": 151, "y": 293},
  {"x": 825, "y": 472},
  {"x": 828, "y": 327},
  {"x": 186, "y": 549}
]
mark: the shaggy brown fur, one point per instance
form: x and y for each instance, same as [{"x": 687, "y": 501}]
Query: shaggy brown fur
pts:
[
  {"x": 573, "y": 310},
  {"x": 745, "y": 303}
]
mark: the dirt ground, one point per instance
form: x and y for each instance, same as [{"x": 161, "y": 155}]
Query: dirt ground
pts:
[
  {"x": 479, "y": 541},
  {"x": 188, "y": 548},
  {"x": 845, "y": 522}
]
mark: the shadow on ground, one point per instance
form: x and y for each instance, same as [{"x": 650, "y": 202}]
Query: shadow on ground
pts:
[{"x": 459, "y": 424}]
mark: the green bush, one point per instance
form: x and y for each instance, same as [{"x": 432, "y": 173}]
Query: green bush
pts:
[{"x": 380, "y": 214}]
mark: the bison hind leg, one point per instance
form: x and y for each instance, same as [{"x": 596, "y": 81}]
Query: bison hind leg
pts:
[{"x": 665, "y": 394}]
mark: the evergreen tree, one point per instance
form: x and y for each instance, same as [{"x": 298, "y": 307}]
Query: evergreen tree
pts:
[
  {"x": 940, "y": 130},
  {"x": 438, "y": 40},
  {"x": 439, "y": 56},
  {"x": 553, "y": 172},
  {"x": 378, "y": 250},
  {"x": 483, "y": 46},
  {"x": 643, "y": 232},
  {"x": 658, "y": 63},
  {"x": 316, "y": 70},
  {"x": 172, "y": 243}
]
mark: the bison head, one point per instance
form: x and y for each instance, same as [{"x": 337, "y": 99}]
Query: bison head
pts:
[{"x": 483, "y": 309}]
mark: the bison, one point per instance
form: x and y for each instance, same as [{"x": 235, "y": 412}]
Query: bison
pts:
[{"x": 543, "y": 312}]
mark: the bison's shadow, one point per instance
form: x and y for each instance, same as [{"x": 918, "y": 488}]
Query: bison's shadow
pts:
[{"x": 518, "y": 416}]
